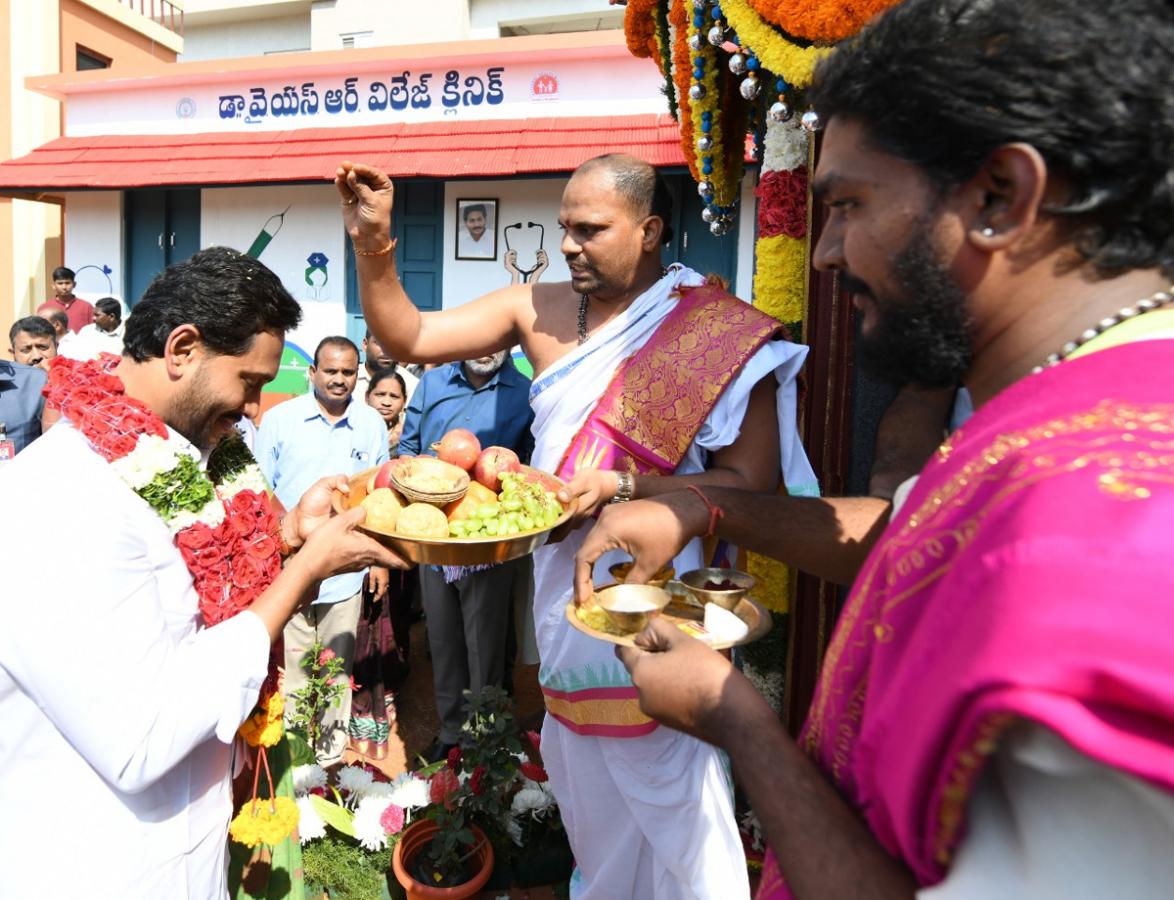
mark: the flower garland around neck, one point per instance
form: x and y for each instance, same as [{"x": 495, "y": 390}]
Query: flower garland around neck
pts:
[{"x": 222, "y": 522}]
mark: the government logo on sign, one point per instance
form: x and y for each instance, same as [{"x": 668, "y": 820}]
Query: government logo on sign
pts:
[
  {"x": 544, "y": 86},
  {"x": 185, "y": 108}
]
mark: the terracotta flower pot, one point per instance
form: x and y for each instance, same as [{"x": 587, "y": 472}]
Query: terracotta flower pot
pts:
[{"x": 415, "y": 840}]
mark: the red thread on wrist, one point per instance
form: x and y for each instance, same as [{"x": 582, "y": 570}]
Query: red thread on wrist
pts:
[{"x": 715, "y": 512}]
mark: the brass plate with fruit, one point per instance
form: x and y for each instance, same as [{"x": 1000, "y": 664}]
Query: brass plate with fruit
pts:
[
  {"x": 483, "y": 509},
  {"x": 684, "y": 612}
]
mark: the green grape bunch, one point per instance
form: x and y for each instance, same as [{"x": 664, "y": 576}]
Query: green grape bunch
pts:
[{"x": 522, "y": 506}]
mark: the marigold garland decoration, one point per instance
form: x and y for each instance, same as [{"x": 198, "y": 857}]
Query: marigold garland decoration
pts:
[
  {"x": 263, "y": 727},
  {"x": 825, "y": 21},
  {"x": 664, "y": 61},
  {"x": 680, "y": 31},
  {"x": 794, "y": 63},
  {"x": 266, "y": 820},
  {"x": 640, "y": 28},
  {"x": 707, "y": 120},
  {"x": 780, "y": 284}
]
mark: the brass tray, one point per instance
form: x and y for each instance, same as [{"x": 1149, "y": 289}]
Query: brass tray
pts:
[
  {"x": 749, "y": 611},
  {"x": 479, "y": 551}
]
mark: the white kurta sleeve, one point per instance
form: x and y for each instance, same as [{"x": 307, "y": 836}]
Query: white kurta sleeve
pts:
[
  {"x": 1045, "y": 821},
  {"x": 110, "y": 654}
]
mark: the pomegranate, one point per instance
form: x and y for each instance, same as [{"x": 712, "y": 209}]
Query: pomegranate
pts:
[
  {"x": 459, "y": 447},
  {"x": 492, "y": 462},
  {"x": 383, "y": 476}
]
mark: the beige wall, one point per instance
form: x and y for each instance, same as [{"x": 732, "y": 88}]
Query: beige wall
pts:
[
  {"x": 30, "y": 232},
  {"x": 122, "y": 45},
  {"x": 392, "y": 22}
]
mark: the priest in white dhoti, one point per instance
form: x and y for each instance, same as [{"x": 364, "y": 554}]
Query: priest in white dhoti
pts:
[{"x": 646, "y": 380}]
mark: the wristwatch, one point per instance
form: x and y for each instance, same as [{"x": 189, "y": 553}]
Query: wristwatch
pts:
[{"x": 625, "y": 488}]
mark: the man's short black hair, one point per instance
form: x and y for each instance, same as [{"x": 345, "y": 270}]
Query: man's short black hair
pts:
[
  {"x": 335, "y": 340},
  {"x": 229, "y": 297},
  {"x": 639, "y": 184},
  {"x": 61, "y": 274},
  {"x": 110, "y": 306},
  {"x": 34, "y": 325},
  {"x": 943, "y": 83},
  {"x": 472, "y": 208}
]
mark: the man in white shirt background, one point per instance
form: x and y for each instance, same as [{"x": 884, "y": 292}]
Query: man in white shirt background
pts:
[{"x": 318, "y": 433}]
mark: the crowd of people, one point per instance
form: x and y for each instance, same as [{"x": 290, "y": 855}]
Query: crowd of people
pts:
[{"x": 995, "y": 711}]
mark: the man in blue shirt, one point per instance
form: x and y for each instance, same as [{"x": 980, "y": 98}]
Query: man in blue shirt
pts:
[
  {"x": 468, "y": 611},
  {"x": 323, "y": 432},
  {"x": 21, "y": 402}
]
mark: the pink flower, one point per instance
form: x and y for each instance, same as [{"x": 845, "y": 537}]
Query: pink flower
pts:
[
  {"x": 454, "y": 758},
  {"x": 442, "y": 786},
  {"x": 325, "y": 656},
  {"x": 392, "y": 819}
]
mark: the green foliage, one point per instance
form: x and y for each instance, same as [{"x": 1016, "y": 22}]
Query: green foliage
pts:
[
  {"x": 325, "y": 687},
  {"x": 229, "y": 458},
  {"x": 337, "y": 817},
  {"x": 345, "y": 869},
  {"x": 183, "y": 489}
]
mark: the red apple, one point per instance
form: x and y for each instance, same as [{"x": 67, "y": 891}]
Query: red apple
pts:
[
  {"x": 383, "y": 476},
  {"x": 492, "y": 462},
  {"x": 459, "y": 447}
]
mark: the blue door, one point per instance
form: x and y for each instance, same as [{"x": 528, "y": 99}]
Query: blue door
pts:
[
  {"x": 418, "y": 219},
  {"x": 162, "y": 227},
  {"x": 693, "y": 244}
]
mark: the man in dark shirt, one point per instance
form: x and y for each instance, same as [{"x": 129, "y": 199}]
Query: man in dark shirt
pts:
[
  {"x": 21, "y": 402},
  {"x": 468, "y": 611}
]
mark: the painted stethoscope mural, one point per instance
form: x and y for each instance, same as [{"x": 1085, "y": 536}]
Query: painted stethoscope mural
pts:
[
  {"x": 316, "y": 274},
  {"x": 511, "y": 255}
]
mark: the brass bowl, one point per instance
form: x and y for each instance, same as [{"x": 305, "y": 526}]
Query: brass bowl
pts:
[
  {"x": 479, "y": 551},
  {"x": 619, "y": 571},
  {"x": 648, "y": 600},
  {"x": 696, "y": 580}
]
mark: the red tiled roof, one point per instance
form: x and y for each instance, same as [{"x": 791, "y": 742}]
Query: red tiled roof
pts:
[{"x": 431, "y": 149}]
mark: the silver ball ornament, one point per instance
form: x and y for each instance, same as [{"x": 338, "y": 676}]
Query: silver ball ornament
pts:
[
  {"x": 780, "y": 112},
  {"x": 717, "y": 35},
  {"x": 696, "y": 41},
  {"x": 750, "y": 87},
  {"x": 700, "y": 5},
  {"x": 738, "y": 64},
  {"x": 810, "y": 121},
  {"x": 696, "y": 91},
  {"x": 719, "y": 226},
  {"x": 708, "y": 215},
  {"x": 705, "y": 143},
  {"x": 705, "y": 189}
]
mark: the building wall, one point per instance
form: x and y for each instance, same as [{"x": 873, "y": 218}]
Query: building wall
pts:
[
  {"x": 252, "y": 37},
  {"x": 82, "y": 23},
  {"x": 377, "y": 23},
  {"x": 233, "y": 217},
  {"x": 487, "y": 16},
  {"x": 30, "y": 232},
  {"x": 93, "y": 222}
]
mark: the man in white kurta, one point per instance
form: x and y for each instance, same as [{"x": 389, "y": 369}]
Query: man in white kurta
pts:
[
  {"x": 655, "y": 812},
  {"x": 118, "y": 712}
]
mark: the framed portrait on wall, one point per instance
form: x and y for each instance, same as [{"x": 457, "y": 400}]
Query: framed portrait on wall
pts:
[{"x": 476, "y": 229}]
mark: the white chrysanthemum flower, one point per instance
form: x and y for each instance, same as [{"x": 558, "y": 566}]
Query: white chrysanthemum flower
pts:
[
  {"x": 514, "y": 830},
  {"x": 250, "y": 478},
  {"x": 211, "y": 514},
  {"x": 785, "y": 146},
  {"x": 354, "y": 779},
  {"x": 380, "y": 790},
  {"x": 410, "y": 792},
  {"x": 151, "y": 455},
  {"x": 308, "y": 777},
  {"x": 368, "y": 828},
  {"x": 532, "y": 801},
  {"x": 310, "y": 824}
]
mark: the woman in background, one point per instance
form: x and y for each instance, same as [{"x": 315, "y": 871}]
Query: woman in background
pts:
[
  {"x": 381, "y": 639},
  {"x": 388, "y": 395}
]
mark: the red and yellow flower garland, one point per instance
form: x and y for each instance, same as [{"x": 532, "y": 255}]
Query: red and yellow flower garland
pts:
[{"x": 825, "y": 21}]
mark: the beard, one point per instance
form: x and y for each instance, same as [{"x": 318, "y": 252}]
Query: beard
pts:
[
  {"x": 924, "y": 336},
  {"x": 488, "y": 367},
  {"x": 196, "y": 415}
]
